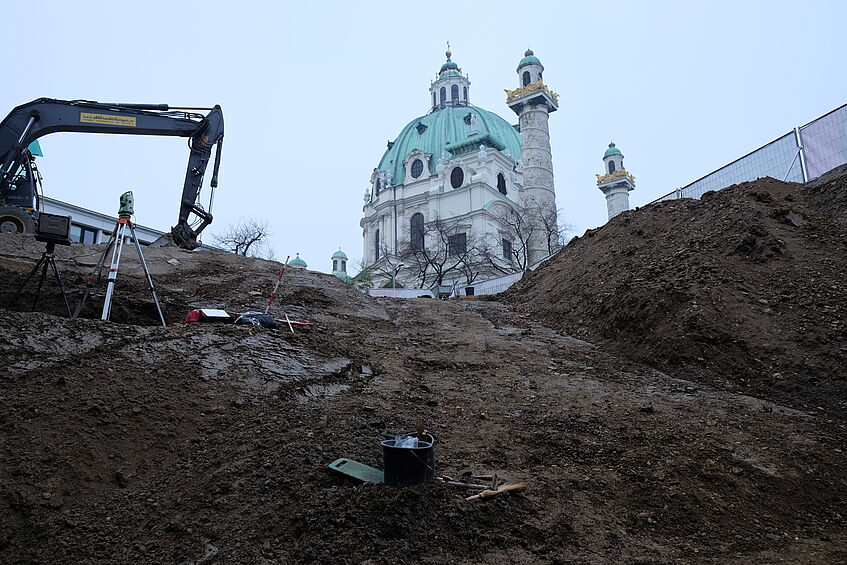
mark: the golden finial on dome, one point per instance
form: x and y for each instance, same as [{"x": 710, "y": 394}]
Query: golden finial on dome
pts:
[{"x": 448, "y": 52}]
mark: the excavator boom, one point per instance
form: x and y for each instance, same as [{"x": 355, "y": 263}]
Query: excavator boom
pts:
[{"x": 43, "y": 116}]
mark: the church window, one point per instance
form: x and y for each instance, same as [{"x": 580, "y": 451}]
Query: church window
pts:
[
  {"x": 454, "y": 94},
  {"x": 457, "y": 177},
  {"x": 417, "y": 168},
  {"x": 376, "y": 245},
  {"x": 343, "y": 266},
  {"x": 335, "y": 264},
  {"x": 443, "y": 94},
  {"x": 501, "y": 183},
  {"x": 525, "y": 78},
  {"x": 611, "y": 167},
  {"x": 465, "y": 92},
  {"x": 457, "y": 244},
  {"x": 417, "y": 240},
  {"x": 507, "y": 250},
  {"x": 433, "y": 99},
  {"x": 377, "y": 185}
]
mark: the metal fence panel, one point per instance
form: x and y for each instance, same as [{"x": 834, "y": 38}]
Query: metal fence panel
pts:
[
  {"x": 777, "y": 159},
  {"x": 825, "y": 142}
]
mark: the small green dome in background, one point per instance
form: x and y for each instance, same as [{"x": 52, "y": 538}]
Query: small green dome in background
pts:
[
  {"x": 298, "y": 262},
  {"x": 339, "y": 254},
  {"x": 612, "y": 150}
]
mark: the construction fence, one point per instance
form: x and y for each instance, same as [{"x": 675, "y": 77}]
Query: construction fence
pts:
[{"x": 800, "y": 155}]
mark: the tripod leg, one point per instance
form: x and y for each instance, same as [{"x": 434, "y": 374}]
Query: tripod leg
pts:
[
  {"x": 147, "y": 272},
  {"x": 17, "y": 294},
  {"x": 95, "y": 275},
  {"x": 40, "y": 283},
  {"x": 113, "y": 271},
  {"x": 61, "y": 285}
]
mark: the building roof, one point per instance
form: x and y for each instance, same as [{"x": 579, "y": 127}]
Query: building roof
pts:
[
  {"x": 529, "y": 59},
  {"x": 339, "y": 254},
  {"x": 446, "y": 129},
  {"x": 297, "y": 262},
  {"x": 612, "y": 150}
]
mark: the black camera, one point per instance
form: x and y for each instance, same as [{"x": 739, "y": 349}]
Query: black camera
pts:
[{"x": 53, "y": 228}]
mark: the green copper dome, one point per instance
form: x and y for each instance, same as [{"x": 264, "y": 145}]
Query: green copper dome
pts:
[
  {"x": 449, "y": 65},
  {"x": 612, "y": 150},
  {"x": 529, "y": 59},
  {"x": 339, "y": 255},
  {"x": 446, "y": 131},
  {"x": 298, "y": 262}
]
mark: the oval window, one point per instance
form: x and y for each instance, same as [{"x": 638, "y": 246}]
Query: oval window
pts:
[
  {"x": 457, "y": 177},
  {"x": 417, "y": 168}
]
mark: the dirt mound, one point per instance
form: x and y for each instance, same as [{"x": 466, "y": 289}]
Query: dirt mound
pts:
[
  {"x": 745, "y": 287},
  {"x": 829, "y": 193},
  {"x": 202, "y": 443}
]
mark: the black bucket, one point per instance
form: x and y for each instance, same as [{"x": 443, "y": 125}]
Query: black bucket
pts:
[{"x": 409, "y": 465}]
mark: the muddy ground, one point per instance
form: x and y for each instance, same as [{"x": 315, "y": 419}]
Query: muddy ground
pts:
[{"x": 124, "y": 442}]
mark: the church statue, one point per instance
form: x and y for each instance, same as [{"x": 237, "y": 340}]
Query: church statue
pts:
[
  {"x": 474, "y": 125},
  {"x": 483, "y": 155}
]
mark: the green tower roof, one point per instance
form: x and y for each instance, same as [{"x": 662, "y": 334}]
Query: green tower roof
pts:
[
  {"x": 339, "y": 255},
  {"x": 612, "y": 150},
  {"x": 297, "y": 262},
  {"x": 446, "y": 130},
  {"x": 529, "y": 59}
]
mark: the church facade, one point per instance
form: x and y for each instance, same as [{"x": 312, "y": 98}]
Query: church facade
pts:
[{"x": 461, "y": 194}]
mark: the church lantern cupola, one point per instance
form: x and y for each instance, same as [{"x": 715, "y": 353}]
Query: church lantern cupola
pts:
[{"x": 451, "y": 87}]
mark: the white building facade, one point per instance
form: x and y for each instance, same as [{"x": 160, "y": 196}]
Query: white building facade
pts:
[{"x": 444, "y": 201}]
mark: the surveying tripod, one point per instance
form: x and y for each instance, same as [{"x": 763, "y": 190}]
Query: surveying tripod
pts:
[
  {"x": 48, "y": 259},
  {"x": 123, "y": 229}
]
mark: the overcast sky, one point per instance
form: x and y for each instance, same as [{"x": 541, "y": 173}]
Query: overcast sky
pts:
[{"x": 311, "y": 92}]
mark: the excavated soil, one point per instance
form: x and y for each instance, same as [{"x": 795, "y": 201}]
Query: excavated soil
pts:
[
  {"x": 125, "y": 442},
  {"x": 745, "y": 289}
]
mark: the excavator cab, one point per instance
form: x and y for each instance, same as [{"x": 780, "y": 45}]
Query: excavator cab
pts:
[{"x": 22, "y": 197}]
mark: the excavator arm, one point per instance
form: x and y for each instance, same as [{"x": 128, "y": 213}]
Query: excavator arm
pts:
[{"x": 28, "y": 122}]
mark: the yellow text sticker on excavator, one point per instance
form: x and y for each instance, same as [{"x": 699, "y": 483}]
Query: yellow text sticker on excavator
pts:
[{"x": 89, "y": 118}]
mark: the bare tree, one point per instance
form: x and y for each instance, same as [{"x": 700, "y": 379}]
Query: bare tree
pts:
[
  {"x": 387, "y": 266},
  {"x": 248, "y": 238},
  {"x": 443, "y": 252},
  {"x": 519, "y": 227}
]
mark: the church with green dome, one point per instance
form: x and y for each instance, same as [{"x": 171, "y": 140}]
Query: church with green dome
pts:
[{"x": 461, "y": 194}]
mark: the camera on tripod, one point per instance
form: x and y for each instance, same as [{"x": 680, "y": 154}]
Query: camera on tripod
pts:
[{"x": 54, "y": 229}]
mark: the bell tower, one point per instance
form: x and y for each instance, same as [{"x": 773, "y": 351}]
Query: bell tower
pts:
[
  {"x": 615, "y": 182},
  {"x": 533, "y": 102}
]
